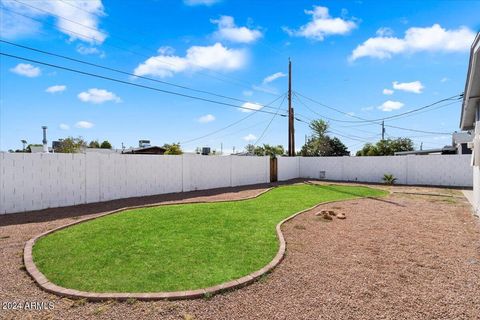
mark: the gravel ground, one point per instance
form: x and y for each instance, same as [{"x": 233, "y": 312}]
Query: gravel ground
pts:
[{"x": 407, "y": 256}]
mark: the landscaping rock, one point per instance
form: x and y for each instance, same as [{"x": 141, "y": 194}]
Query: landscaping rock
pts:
[
  {"x": 341, "y": 216},
  {"x": 321, "y": 213}
]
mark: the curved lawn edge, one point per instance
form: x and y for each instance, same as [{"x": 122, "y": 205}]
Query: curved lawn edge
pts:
[{"x": 50, "y": 287}]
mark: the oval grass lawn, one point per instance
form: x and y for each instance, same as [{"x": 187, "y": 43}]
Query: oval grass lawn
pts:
[{"x": 178, "y": 247}]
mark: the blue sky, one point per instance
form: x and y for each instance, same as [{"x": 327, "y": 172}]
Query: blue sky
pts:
[{"x": 371, "y": 59}]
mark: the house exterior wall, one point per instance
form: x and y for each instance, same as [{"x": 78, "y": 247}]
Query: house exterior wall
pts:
[
  {"x": 38, "y": 181},
  {"x": 476, "y": 166},
  {"x": 476, "y": 189}
]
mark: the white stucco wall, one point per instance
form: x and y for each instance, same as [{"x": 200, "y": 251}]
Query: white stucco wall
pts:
[{"x": 38, "y": 181}]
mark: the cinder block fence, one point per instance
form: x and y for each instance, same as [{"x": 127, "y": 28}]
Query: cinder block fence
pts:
[
  {"x": 434, "y": 170},
  {"x": 38, "y": 181}
]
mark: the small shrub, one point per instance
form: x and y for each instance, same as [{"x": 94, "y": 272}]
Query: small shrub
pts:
[
  {"x": 207, "y": 295},
  {"x": 389, "y": 178}
]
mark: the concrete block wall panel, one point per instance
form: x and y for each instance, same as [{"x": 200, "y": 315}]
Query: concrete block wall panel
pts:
[
  {"x": 288, "y": 168},
  {"x": 437, "y": 170},
  {"x": 310, "y": 167},
  {"x": 205, "y": 172},
  {"x": 372, "y": 169},
  {"x": 92, "y": 177},
  {"x": 249, "y": 170},
  {"x": 440, "y": 170}
]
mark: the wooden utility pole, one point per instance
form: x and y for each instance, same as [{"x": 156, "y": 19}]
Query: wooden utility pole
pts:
[
  {"x": 383, "y": 130},
  {"x": 291, "y": 118}
]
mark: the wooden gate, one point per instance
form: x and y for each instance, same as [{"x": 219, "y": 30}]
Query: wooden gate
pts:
[{"x": 273, "y": 170}]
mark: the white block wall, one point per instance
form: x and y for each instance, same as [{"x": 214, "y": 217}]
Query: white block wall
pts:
[
  {"x": 437, "y": 170},
  {"x": 288, "y": 168},
  {"x": 38, "y": 181}
]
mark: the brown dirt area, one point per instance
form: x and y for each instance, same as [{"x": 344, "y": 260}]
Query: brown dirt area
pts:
[{"x": 406, "y": 256}]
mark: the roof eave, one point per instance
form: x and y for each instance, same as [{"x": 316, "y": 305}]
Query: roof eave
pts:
[{"x": 469, "y": 104}]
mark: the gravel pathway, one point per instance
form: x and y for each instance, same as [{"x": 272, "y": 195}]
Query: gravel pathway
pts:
[{"x": 401, "y": 257}]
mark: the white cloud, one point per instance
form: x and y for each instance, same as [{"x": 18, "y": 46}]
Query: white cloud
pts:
[
  {"x": 434, "y": 38},
  {"x": 90, "y": 51},
  {"x": 387, "y": 91},
  {"x": 27, "y": 70},
  {"x": 444, "y": 79},
  {"x": 367, "y": 108},
  {"x": 227, "y": 30},
  {"x": 200, "y": 2},
  {"x": 415, "y": 86},
  {"x": 265, "y": 89},
  {"x": 215, "y": 57},
  {"x": 274, "y": 77},
  {"x": 251, "y": 106},
  {"x": 390, "y": 105},
  {"x": 206, "y": 118},
  {"x": 247, "y": 93},
  {"x": 56, "y": 88},
  {"x": 384, "y": 32},
  {"x": 64, "y": 126},
  {"x": 87, "y": 16},
  {"x": 98, "y": 96},
  {"x": 322, "y": 25},
  {"x": 84, "y": 125},
  {"x": 250, "y": 137},
  {"x": 13, "y": 26}
]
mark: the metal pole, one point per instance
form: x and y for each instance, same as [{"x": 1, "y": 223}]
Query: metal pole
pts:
[
  {"x": 290, "y": 111},
  {"x": 44, "y": 141}
]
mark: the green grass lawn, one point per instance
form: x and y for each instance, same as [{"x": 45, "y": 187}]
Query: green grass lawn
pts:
[{"x": 177, "y": 247}]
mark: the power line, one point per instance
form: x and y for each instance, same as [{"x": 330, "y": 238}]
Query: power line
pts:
[
  {"x": 123, "y": 72},
  {"x": 134, "y": 84},
  {"x": 415, "y": 130},
  {"x": 262, "y": 42},
  {"x": 374, "y": 121},
  {"x": 224, "y": 78},
  {"x": 231, "y": 124},
  {"x": 454, "y": 97},
  {"x": 269, "y": 123}
]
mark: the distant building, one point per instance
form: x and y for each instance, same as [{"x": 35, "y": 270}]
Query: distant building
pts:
[
  {"x": 146, "y": 150},
  {"x": 39, "y": 149},
  {"x": 144, "y": 143},
  {"x": 460, "y": 140}
]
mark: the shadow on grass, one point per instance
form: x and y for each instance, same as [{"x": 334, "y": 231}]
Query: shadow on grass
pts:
[{"x": 334, "y": 188}]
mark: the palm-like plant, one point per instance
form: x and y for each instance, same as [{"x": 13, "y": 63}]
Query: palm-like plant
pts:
[{"x": 389, "y": 178}]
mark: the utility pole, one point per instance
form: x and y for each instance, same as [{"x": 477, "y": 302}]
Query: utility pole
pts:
[
  {"x": 383, "y": 130},
  {"x": 291, "y": 118}
]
